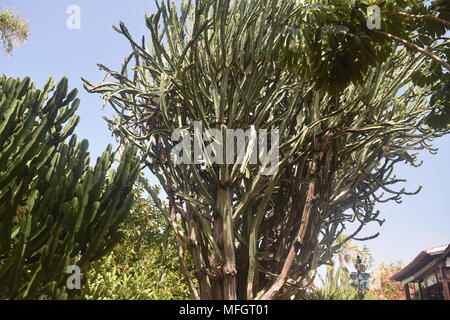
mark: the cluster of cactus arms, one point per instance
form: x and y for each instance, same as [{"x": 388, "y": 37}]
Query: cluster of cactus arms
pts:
[
  {"x": 55, "y": 209},
  {"x": 253, "y": 236}
]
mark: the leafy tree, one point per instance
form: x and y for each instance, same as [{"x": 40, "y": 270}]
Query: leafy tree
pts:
[
  {"x": 368, "y": 259},
  {"x": 331, "y": 38},
  {"x": 385, "y": 288},
  {"x": 347, "y": 253},
  {"x": 14, "y": 30},
  {"x": 143, "y": 265},
  {"x": 331, "y": 44},
  {"x": 55, "y": 209},
  {"x": 252, "y": 235}
]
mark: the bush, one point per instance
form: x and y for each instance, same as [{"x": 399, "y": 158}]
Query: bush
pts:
[{"x": 143, "y": 265}]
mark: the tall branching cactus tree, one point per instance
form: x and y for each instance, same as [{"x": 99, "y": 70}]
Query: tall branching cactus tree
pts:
[
  {"x": 251, "y": 235},
  {"x": 55, "y": 210}
]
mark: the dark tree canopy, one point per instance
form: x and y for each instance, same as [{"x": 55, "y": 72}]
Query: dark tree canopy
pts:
[{"x": 332, "y": 45}]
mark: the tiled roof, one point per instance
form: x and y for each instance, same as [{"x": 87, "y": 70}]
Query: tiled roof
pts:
[{"x": 422, "y": 260}]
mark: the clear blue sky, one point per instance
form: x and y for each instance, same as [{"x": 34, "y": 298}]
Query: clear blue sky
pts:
[{"x": 53, "y": 50}]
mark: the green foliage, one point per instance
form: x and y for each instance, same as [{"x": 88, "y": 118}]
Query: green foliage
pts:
[
  {"x": 330, "y": 44},
  {"x": 14, "y": 30},
  {"x": 337, "y": 284},
  {"x": 368, "y": 259},
  {"x": 55, "y": 210},
  {"x": 440, "y": 101},
  {"x": 346, "y": 253},
  {"x": 333, "y": 287},
  {"x": 143, "y": 265},
  {"x": 142, "y": 278},
  {"x": 370, "y": 295}
]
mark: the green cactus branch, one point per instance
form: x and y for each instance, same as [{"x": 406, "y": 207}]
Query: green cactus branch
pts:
[{"x": 55, "y": 210}]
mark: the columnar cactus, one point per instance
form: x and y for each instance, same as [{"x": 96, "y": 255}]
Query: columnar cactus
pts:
[{"x": 55, "y": 210}]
